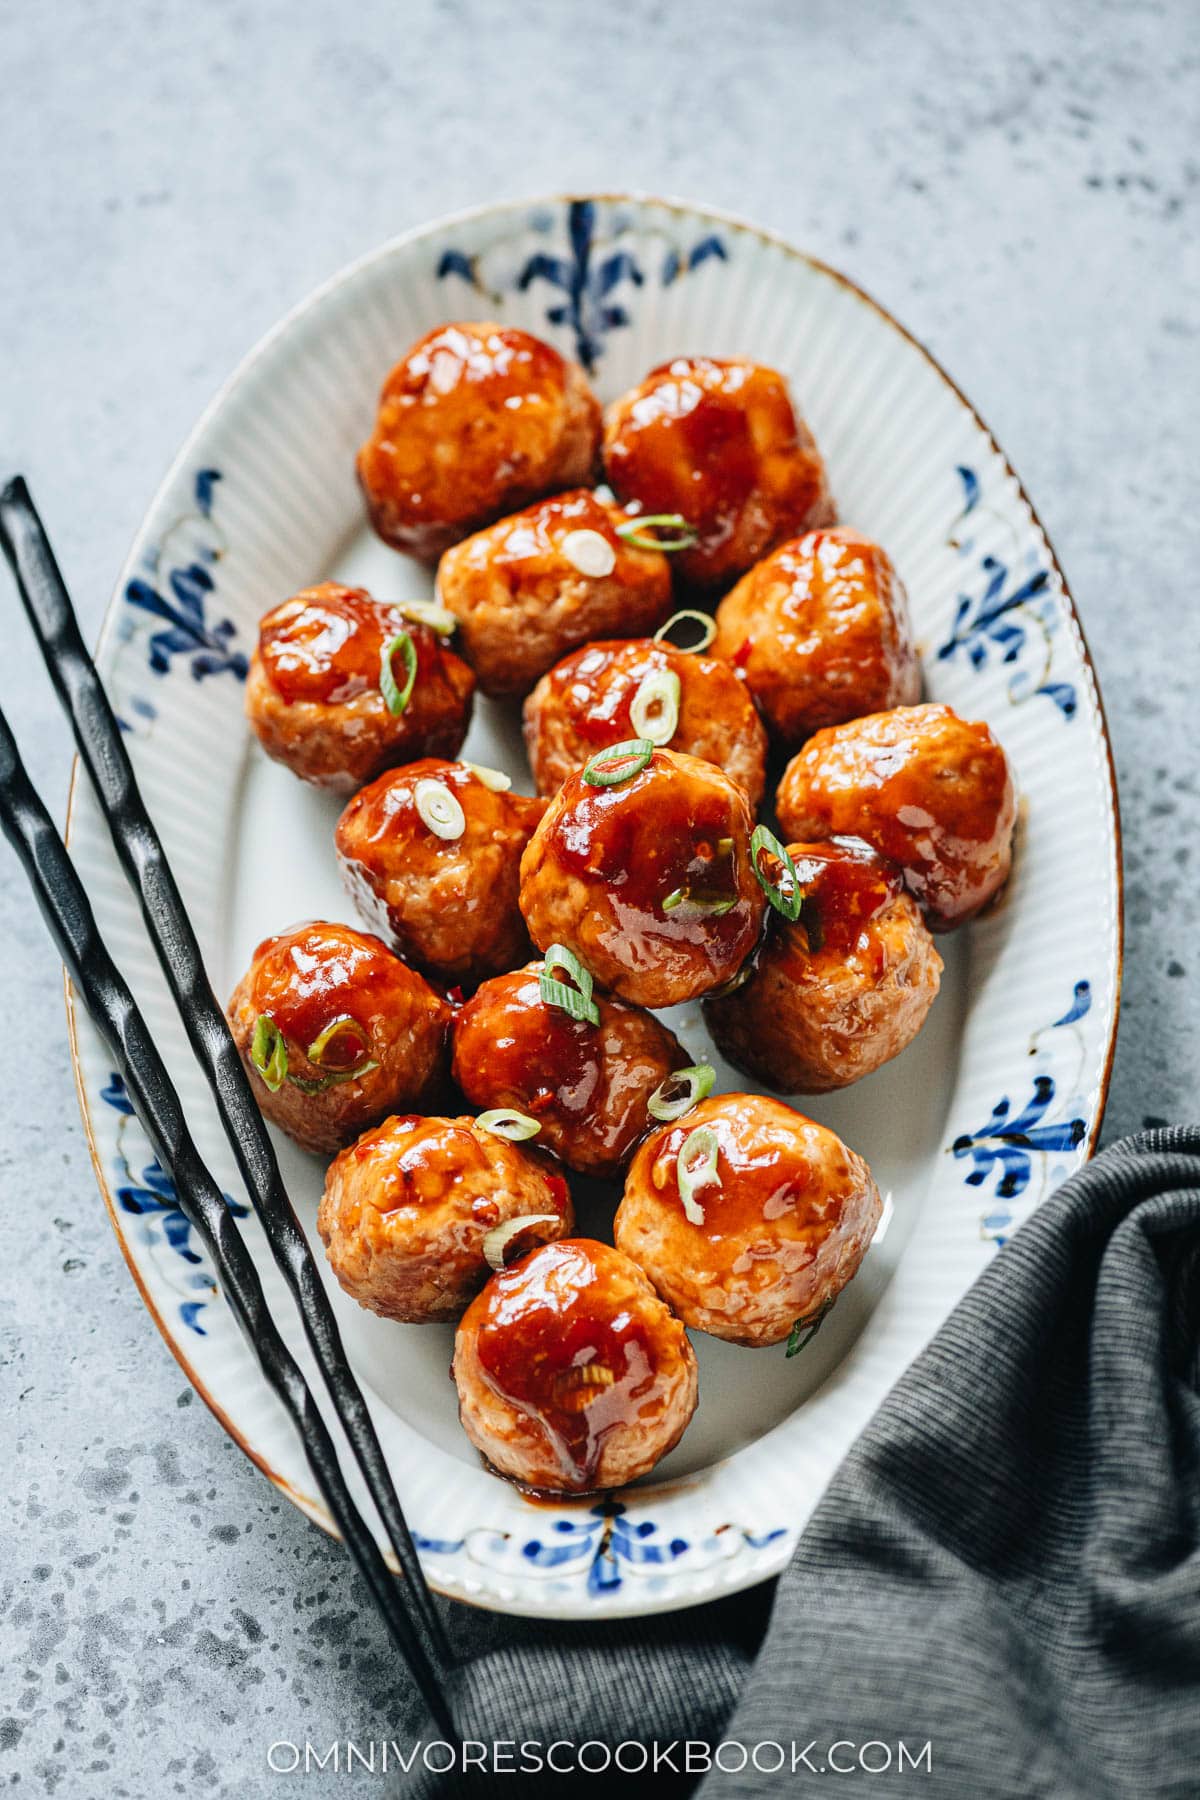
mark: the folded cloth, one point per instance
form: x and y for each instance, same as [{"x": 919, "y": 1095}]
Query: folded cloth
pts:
[{"x": 1006, "y": 1567}]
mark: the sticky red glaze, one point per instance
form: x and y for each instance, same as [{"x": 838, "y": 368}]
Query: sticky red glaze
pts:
[
  {"x": 658, "y": 833},
  {"x": 761, "y": 1178},
  {"x": 586, "y": 1085},
  {"x": 438, "y": 1154},
  {"x": 326, "y": 643},
  {"x": 719, "y": 442},
  {"x": 821, "y": 630},
  {"x": 692, "y": 409},
  {"x": 931, "y": 791},
  {"x": 546, "y": 1323},
  {"x": 846, "y": 884},
  {"x": 474, "y": 421},
  {"x": 530, "y": 542},
  {"x": 305, "y": 979},
  {"x": 497, "y": 365}
]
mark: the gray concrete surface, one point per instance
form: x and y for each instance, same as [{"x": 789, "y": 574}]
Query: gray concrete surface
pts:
[{"x": 1017, "y": 181}]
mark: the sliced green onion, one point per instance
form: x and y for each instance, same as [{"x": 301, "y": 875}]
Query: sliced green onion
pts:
[
  {"x": 507, "y": 1122},
  {"x": 268, "y": 1052},
  {"x": 789, "y": 900},
  {"x": 575, "y": 1000},
  {"x": 397, "y": 698},
  {"x": 500, "y": 1236},
  {"x": 680, "y": 1092},
  {"x": 805, "y": 1330},
  {"x": 620, "y": 762},
  {"x": 654, "y": 713},
  {"x": 342, "y": 1026},
  {"x": 439, "y": 809},
  {"x": 590, "y": 552},
  {"x": 642, "y": 532},
  {"x": 695, "y": 1168},
  {"x": 495, "y": 779},
  {"x": 334, "y": 1078},
  {"x": 428, "y": 612},
  {"x": 708, "y": 632},
  {"x": 699, "y": 906}
]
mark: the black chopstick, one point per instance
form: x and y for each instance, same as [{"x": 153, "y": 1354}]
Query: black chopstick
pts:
[
  {"x": 144, "y": 860},
  {"x": 111, "y": 1006}
]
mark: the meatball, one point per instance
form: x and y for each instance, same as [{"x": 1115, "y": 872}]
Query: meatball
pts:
[
  {"x": 313, "y": 694},
  {"x": 647, "y": 881},
  {"x": 926, "y": 788},
  {"x": 572, "y": 1375},
  {"x": 534, "y": 586},
  {"x": 406, "y": 1211},
  {"x": 840, "y": 992},
  {"x": 585, "y": 703},
  {"x": 774, "y": 1221},
  {"x": 336, "y": 1033},
  {"x": 820, "y": 632},
  {"x": 585, "y": 1084},
  {"x": 474, "y": 421},
  {"x": 719, "y": 444},
  {"x": 431, "y": 856}
]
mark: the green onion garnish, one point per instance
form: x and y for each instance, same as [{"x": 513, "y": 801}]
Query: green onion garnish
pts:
[
  {"x": 575, "y": 1000},
  {"x": 680, "y": 1092},
  {"x": 642, "y": 532},
  {"x": 608, "y": 768},
  {"x": 708, "y": 632},
  {"x": 654, "y": 713},
  {"x": 397, "y": 698},
  {"x": 334, "y": 1078},
  {"x": 507, "y": 1122},
  {"x": 696, "y": 1167},
  {"x": 805, "y": 1330},
  {"x": 342, "y": 1026},
  {"x": 698, "y": 906},
  {"x": 495, "y": 779},
  {"x": 495, "y": 1244},
  {"x": 268, "y": 1052},
  {"x": 439, "y": 809},
  {"x": 789, "y": 900},
  {"x": 428, "y": 612}
]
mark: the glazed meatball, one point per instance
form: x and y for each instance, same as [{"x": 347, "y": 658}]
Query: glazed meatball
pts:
[
  {"x": 843, "y": 989},
  {"x": 647, "y": 881},
  {"x": 314, "y": 698},
  {"x": 336, "y": 1033},
  {"x": 719, "y": 444},
  {"x": 572, "y": 1375},
  {"x": 926, "y": 788},
  {"x": 820, "y": 632},
  {"x": 534, "y": 586},
  {"x": 431, "y": 856},
  {"x": 585, "y": 1084},
  {"x": 774, "y": 1222},
  {"x": 586, "y": 702},
  {"x": 406, "y": 1211},
  {"x": 474, "y": 421}
]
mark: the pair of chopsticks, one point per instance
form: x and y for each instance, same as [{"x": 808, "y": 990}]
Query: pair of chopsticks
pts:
[{"x": 406, "y": 1605}]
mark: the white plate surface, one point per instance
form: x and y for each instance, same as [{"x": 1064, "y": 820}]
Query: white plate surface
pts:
[{"x": 995, "y": 1103}]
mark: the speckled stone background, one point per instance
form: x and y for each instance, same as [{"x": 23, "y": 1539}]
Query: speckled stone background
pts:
[{"x": 1017, "y": 181}]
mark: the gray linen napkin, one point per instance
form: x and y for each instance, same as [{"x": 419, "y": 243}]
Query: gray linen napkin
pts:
[{"x": 1006, "y": 1567}]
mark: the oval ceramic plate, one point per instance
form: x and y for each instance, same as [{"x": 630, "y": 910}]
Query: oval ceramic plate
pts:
[{"x": 995, "y": 1103}]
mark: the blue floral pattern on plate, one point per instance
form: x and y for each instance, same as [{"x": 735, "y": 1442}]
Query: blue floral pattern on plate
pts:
[
  {"x": 152, "y": 1197},
  {"x": 604, "y": 1546},
  {"x": 1010, "y": 616},
  {"x": 587, "y": 275},
  {"x": 1004, "y": 1149},
  {"x": 181, "y": 588}
]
